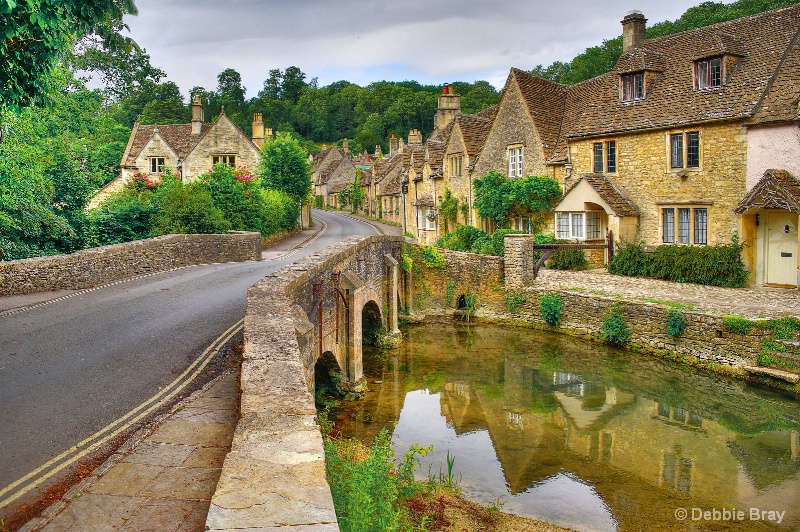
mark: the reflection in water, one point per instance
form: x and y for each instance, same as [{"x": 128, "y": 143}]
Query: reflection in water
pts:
[{"x": 584, "y": 436}]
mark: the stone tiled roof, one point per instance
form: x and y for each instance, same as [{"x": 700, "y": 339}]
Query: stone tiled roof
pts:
[
  {"x": 782, "y": 102},
  {"x": 434, "y": 154},
  {"x": 777, "y": 189},
  {"x": 615, "y": 199},
  {"x": 392, "y": 186},
  {"x": 545, "y": 101},
  {"x": 177, "y": 136},
  {"x": 414, "y": 154},
  {"x": 366, "y": 177},
  {"x": 385, "y": 166},
  {"x": 426, "y": 200},
  {"x": 474, "y": 129},
  {"x": 759, "y": 42}
]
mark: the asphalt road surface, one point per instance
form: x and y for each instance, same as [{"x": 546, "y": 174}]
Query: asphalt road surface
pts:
[{"x": 70, "y": 368}]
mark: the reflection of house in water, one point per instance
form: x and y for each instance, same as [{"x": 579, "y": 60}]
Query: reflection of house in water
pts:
[{"x": 642, "y": 456}]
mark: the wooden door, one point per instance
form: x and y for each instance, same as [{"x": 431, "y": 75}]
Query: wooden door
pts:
[{"x": 782, "y": 248}]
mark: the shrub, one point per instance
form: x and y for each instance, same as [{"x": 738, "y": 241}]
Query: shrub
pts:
[
  {"x": 550, "y": 307},
  {"x": 498, "y": 241},
  {"x": 737, "y": 324},
  {"x": 186, "y": 209},
  {"x": 719, "y": 265},
  {"x": 121, "y": 218},
  {"x": 432, "y": 257},
  {"x": 468, "y": 304},
  {"x": 461, "y": 239},
  {"x": 676, "y": 323},
  {"x": 513, "y": 301},
  {"x": 614, "y": 330},
  {"x": 568, "y": 259}
]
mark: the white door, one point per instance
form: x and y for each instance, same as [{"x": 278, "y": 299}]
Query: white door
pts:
[{"x": 782, "y": 248}]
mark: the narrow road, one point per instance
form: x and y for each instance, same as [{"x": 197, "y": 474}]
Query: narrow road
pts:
[{"x": 70, "y": 368}]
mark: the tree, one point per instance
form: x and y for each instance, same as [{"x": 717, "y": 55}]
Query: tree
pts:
[
  {"x": 500, "y": 199},
  {"x": 284, "y": 166},
  {"x": 230, "y": 89},
  {"x": 38, "y": 33}
]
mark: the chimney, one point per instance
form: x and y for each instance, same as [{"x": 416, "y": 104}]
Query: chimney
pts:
[
  {"x": 449, "y": 108},
  {"x": 378, "y": 151},
  {"x": 400, "y": 146},
  {"x": 414, "y": 137},
  {"x": 268, "y": 134},
  {"x": 394, "y": 146},
  {"x": 346, "y": 147},
  {"x": 258, "y": 130},
  {"x": 633, "y": 30},
  {"x": 198, "y": 115}
]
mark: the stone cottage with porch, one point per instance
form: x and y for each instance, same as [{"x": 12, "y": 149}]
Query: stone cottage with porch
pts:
[{"x": 190, "y": 150}]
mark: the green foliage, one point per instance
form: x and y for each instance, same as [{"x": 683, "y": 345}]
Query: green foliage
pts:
[
  {"x": 550, "y": 307},
  {"x": 450, "y": 292},
  {"x": 368, "y": 493},
  {"x": 432, "y": 257},
  {"x": 37, "y": 34},
  {"x": 568, "y": 259},
  {"x": 676, "y": 323},
  {"x": 498, "y": 241},
  {"x": 186, "y": 209},
  {"x": 470, "y": 305},
  {"x": 614, "y": 330},
  {"x": 462, "y": 239},
  {"x": 737, "y": 324},
  {"x": 719, "y": 265},
  {"x": 284, "y": 166},
  {"x": 448, "y": 208},
  {"x": 123, "y": 217},
  {"x": 501, "y": 199},
  {"x": 513, "y": 300}
]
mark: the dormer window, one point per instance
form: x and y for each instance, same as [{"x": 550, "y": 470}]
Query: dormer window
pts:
[
  {"x": 157, "y": 165},
  {"x": 632, "y": 87},
  {"x": 708, "y": 73}
]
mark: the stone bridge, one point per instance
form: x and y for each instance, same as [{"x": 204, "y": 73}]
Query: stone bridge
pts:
[{"x": 274, "y": 475}]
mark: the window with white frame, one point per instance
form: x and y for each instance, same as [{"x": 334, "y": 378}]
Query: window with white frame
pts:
[
  {"x": 579, "y": 225},
  {"x": 229, "y": 160},
  {"x": 708, "y": 73},
  {"x": 515, "y": 161},
  {"x": 426, "y": 219},
  {"x": 684, "y": 225},
  {"x": 157, "y": 165},
  {"x": 524, "y": 224}
]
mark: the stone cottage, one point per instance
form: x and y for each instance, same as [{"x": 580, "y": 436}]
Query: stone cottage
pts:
[{"x": 190, "y": 150}]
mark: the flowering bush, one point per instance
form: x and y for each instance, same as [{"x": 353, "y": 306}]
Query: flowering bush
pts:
[
  {"x": 141, "y": 182},
  {"x": 243, "y": 174}
]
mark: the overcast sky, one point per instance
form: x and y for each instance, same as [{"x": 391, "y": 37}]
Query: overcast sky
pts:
[{"x": 430, "y": 41}]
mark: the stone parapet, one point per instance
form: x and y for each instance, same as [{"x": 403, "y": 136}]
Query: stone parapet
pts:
[
  {"x": 274, "y": 475},
  {"x": 95, "y": 266}
]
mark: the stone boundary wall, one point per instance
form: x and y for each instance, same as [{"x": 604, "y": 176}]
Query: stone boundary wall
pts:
[
  {"x": 705, "y": 337},
  {"x": 274, "y": 475},
  {"x": 95, "y": 266}
]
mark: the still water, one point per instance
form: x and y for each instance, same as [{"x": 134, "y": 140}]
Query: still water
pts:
[{"x": 585, "y": 436}]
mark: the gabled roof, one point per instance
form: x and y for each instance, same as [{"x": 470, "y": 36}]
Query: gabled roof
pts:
[
  {"x": 426, "y": 200},
  {"x": 545, "y": 101},
  {"x": 435, "y": 148},
  {"x": 758, "y": 43},
  {"x": 782, "y": 102},
  {"x": 474, "y": 129},
  {"x": 777, "y": 189},
  {"x": 609, "y": 193},
  {"x": 177, "y": 136},
  {"x": 392, "y": 186},
  {"x": 385, "y": 166}
]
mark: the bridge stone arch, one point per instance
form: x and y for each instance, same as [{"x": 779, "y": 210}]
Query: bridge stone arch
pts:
[{"x": 330, "y": 301}]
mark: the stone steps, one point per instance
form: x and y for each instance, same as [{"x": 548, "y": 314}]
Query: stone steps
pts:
[{"x": 791, "y": 378}]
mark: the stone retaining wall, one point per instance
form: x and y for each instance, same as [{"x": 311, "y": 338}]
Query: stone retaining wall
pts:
[
  {"x": 95, "y": 266},
  {"x": 274, "y": 475},
  {"x": 705, "y": 337}
]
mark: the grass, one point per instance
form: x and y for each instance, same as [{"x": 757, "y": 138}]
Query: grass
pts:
[{"x": 671, "y": 304}]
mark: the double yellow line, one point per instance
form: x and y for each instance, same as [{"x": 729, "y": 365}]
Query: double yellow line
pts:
[{"x": 21, "y": 486}]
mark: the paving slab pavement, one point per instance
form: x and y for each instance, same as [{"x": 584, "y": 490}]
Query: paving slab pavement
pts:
[{"x": 163, "y": 478}]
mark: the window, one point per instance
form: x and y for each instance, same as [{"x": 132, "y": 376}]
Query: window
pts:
[
  {"x": 229, "y": 160},
  {"x": 593, "y": 226},
  {"x": 515, "y": 162},
  {"x": 426, "y": 219},
  {"x": 633, "y": 87},
  {"x": 156, "y": 165},
  {"x": 597, "y": 148},
  {"x": 579, "y": 225},
  {"x": 456, "y": 165},
  {"x": 684, "y": 150},
  {"x": 708, "y": 73},
  {"x": 610, "y": 158},
  {"x": 688, "y": 224}
]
